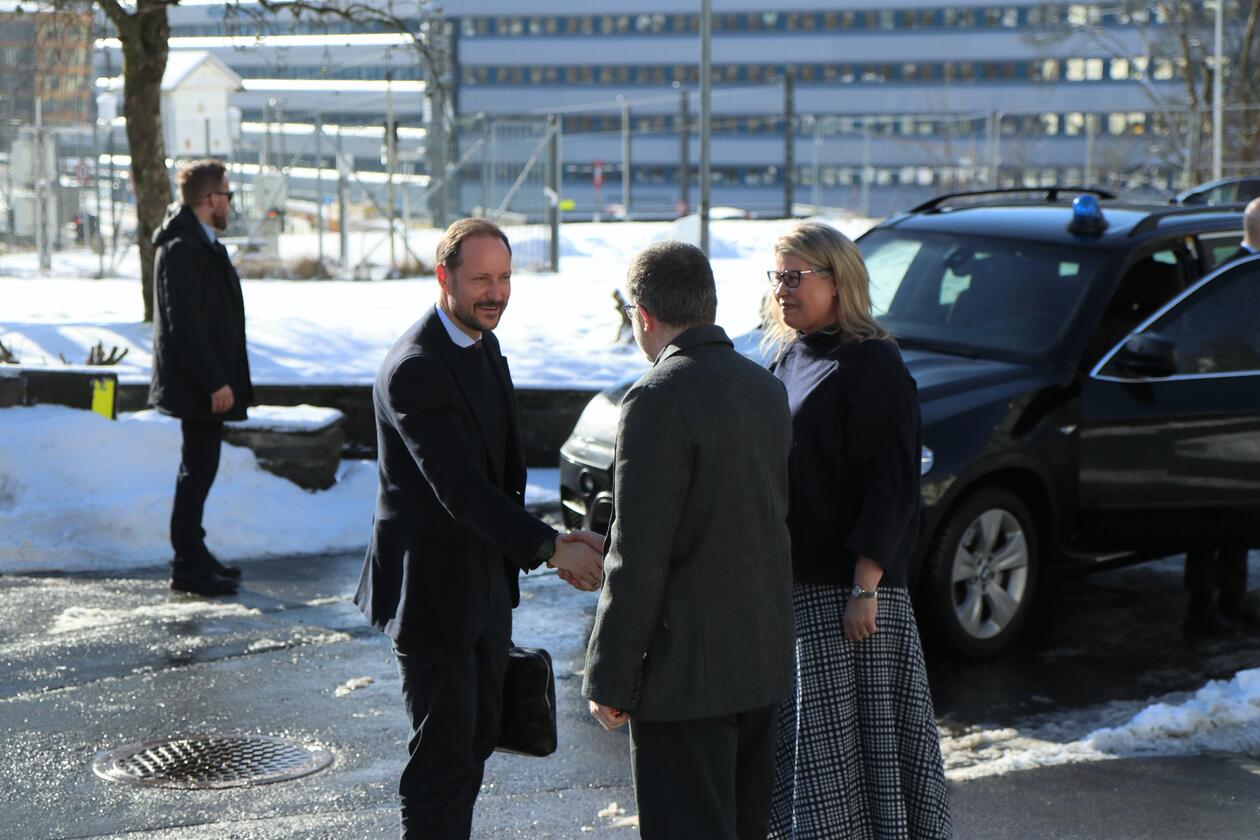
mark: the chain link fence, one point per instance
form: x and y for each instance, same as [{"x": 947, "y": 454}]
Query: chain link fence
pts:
[{"x": 316, "y": 200}]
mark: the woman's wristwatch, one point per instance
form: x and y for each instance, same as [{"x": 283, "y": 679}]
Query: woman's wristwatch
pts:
[{"x": 858, "y": 592}]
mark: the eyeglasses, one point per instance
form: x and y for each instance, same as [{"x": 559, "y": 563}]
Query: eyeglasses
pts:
[
  {"x": 790, "y": 278},
  {"x": 228, "y": 193},
  {"x": 628, "y": 309}
]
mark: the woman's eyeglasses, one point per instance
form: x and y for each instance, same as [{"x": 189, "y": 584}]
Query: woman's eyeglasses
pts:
[{"x": 790, "y": 278}]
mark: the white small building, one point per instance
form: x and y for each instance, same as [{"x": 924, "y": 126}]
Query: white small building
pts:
[{"x": 195, "y": 91}]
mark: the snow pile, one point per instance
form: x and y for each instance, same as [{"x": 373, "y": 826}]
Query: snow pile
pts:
[
  {"x": 288, "y": 418},
  {"x": 1223, "y": 715},
  {"x": 79, "y": 492}
]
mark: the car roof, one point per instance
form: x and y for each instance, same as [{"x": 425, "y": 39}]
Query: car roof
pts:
[{"x": 1128, "y": 223}]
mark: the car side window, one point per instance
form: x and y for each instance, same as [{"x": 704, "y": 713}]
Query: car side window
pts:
[
  {"x": 1217, "y": 248},
  {"x": 1149, "y": 283},
  {"x": 1217, "y": 328},
  {"x": 1247, "y": 190}
]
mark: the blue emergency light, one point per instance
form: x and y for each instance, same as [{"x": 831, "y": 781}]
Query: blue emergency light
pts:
[{"x": 1087, "y": 216}]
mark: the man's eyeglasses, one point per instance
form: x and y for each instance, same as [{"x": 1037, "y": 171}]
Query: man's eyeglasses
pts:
[
  {"x": 790, "y": 278},
  {"x": 228, "y": 193},
  {"x": 628, "y": 309}
]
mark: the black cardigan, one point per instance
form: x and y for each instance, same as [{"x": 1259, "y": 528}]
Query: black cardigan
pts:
[{"x": 854, "y": 476}]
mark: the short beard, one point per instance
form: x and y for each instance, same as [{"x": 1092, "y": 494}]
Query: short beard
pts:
[{"x": 472, "y": 325}]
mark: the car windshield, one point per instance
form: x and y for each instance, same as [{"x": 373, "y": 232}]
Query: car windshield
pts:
[{"x": 974, "y": 295}]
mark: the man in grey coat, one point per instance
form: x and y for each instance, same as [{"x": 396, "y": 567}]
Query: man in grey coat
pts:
[{"x": 693, "y": 637}]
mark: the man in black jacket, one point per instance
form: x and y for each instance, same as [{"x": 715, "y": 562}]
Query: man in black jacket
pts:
[
  {"x": 1216, "y": 578},
  {"x": 450, "y": 532},
  {"x": 693, "y": 636},
  {"x": 200, "y": 365}
]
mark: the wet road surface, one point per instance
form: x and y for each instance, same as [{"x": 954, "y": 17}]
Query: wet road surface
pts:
[{"x": 93, "y": 662}]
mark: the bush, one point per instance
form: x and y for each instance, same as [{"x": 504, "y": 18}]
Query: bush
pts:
[
  {"x": 255, "y": 267},
  {"x": 308, "y": 268},
  {"x": 411, "y": 266}
]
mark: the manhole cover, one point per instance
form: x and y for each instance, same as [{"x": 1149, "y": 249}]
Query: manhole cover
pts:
[{"x": 210, "y": 761}]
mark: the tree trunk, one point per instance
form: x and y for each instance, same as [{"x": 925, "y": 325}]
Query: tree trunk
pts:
[{"x": 144, "y": 43}]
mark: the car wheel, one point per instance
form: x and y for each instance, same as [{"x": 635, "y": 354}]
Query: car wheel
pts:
[{"x": 983, "y": 572}]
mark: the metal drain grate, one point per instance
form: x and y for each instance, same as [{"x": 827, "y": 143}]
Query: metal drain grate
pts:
[{"x": 210, "y": 761}]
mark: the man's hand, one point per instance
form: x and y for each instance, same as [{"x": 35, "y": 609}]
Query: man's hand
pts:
[
  {"x": 594, "y": 540},
  {"x": 222, "y": 400},
  {"x": 608, "y": 717},
  {"x": 584, "y": 565}
]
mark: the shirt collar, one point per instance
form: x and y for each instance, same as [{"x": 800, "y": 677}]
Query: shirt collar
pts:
[
  {"x": 1249, "y": 249},
  {"x": 210, "y": 234},
  {"x": 457, "y": 335}
]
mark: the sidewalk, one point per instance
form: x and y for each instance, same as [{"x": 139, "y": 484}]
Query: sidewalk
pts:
[{"x": 92, "y": 663}]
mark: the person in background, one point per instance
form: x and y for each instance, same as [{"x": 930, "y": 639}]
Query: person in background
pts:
[
  {"x": 1216, "y": 578},
  {"x": 200, "y": 364},
  {"x": 858, "y": 752}
]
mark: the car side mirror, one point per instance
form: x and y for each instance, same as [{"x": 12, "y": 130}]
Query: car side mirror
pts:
[{"x": 1149, "y": 356}]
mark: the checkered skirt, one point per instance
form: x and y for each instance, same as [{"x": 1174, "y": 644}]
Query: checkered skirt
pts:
[{"x": 858, "y": 754}]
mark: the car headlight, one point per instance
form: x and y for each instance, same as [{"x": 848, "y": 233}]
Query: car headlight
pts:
[
  {"x": 599, "y": 420},
  {"x": 926, "y": 460}
]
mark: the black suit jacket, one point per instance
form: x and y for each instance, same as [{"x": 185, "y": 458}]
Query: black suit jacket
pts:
[
  {"x": 198, "y": 323},
  {"x": 1241, "y": 254},
  {"x": 445, "y": 519}
]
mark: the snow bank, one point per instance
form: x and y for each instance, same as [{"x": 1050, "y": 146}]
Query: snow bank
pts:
[
  {"x": 288, "y": 418},
  {"x": 1223, "y": 715},
  {"x": 79, "y": 492}
]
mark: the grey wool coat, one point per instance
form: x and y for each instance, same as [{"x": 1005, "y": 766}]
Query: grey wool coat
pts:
[{"x": 695, "y": 618}]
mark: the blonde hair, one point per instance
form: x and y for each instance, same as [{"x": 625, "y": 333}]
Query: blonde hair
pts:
[{"x": 830, "y": 251}]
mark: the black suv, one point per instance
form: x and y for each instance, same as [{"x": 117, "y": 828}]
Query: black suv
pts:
[{"x": 1089, "y": 379}]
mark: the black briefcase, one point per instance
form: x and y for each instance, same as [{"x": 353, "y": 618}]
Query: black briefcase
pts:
[{"x": 529, "y": 704}]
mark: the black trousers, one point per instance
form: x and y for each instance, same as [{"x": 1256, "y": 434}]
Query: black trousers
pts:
[
  {"x": 707, "y": 778},
  {"x": 455, "y": 705},
  {"x": 1211, "y": 569},
  {"x": 199, "y": 463}
]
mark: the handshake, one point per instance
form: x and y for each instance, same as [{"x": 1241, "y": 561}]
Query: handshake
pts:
[{"x": 579, "y": 559}]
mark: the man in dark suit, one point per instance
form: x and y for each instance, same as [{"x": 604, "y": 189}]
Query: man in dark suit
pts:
[
  {"x": 1251, "y": 233},
  {"x": 450, "y": 533},
  {"x": 693, "y": 637},
  {"x": 1216, "y": 578},
  {"x": 200, "y": 365}
]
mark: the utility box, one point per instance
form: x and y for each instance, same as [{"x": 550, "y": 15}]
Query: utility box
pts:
[
  {"x": 26, "y": 214},
  {"x": 195, "y": 118}
]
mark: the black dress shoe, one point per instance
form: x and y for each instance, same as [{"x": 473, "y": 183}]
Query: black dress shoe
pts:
[
  {"x": 218, "y": 568},
  {"x": 1208, "y": 624},
  {"x": 1244, "y": 612},
  {"x": 199, "y": 579}
]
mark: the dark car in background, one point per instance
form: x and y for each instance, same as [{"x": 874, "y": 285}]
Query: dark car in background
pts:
[
  {"x": 1239, "y": 189},
  {"x": 1089, "y": 381}
]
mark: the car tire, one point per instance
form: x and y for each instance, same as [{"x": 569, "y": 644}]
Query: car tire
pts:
[{"x": 982, "y": 572}]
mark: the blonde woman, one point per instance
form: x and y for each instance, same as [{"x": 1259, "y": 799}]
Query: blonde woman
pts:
[{"x": 858, "y": 753}]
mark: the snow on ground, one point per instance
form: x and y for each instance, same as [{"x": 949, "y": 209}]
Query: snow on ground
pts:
[
  {"x": 79, "y": 492},
  {"x": 1223, "y": 715},
  {"x": 560, "y": 330}
]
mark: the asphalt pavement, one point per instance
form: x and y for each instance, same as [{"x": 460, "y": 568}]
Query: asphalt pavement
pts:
[{"x": 89, "y": 663}]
